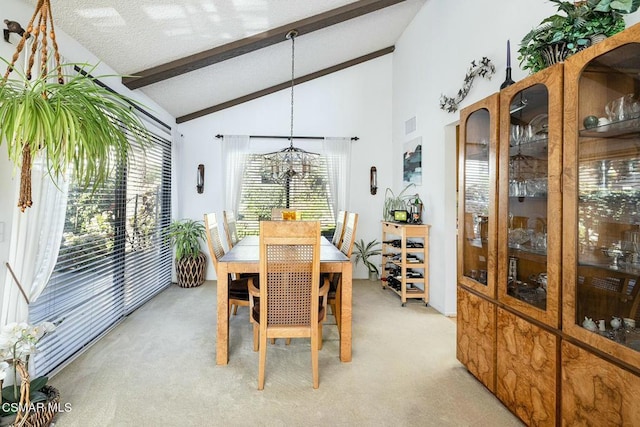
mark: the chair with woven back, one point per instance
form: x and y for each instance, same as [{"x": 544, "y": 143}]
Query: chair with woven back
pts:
[
  {"x": 337, "y": 234},
  {"x": 238, "y": 288},
  {"x": 230, "y": 229},
  {"x": 276, "y": 214},
  {"x": 291, "y": 302},
  {"x": 346, "y": 247}
]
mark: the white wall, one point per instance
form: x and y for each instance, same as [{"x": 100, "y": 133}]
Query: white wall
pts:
[
  {"x": 432, "y": 58},
  {"x": 351, "y": 102}
]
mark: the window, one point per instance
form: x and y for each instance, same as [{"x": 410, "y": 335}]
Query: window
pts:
[
  {"x": 113, "y": 256},
  {"x": 259, "y": 194}
]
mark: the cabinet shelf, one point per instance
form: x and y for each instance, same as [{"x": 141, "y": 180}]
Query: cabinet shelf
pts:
[
  {"x": 529, "y": 254},
  {"x": 607, "y": 148},
  {"x": 624, "y": 128}
]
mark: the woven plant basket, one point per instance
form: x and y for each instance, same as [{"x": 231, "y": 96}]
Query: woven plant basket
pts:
[
  {"x": 190, "y": 271},
  {"x": 554, "y": 53},
  {"x": 40, "y": 414}
]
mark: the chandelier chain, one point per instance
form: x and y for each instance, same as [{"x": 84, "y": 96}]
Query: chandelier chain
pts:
[
  {"x": 290, "y": 163},
  {"x": 293, "y": 52}
]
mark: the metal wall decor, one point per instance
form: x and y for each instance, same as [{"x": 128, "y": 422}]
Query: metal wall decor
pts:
[{"x": 483, "y": 68}]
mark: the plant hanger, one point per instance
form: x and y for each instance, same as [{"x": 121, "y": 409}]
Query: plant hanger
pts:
[
  {"x": 75, "y": 123},
  {"x": 43, "y": 13}
]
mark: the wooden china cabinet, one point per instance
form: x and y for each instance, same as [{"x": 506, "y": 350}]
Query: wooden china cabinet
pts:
[
  {"x": 601, "y": 234},
  {"x": 549, "y": 239},
  {"x": 529, "y": 246},
  {"x": 511, "y": 231},
  {"x": 476, "y": 296}
]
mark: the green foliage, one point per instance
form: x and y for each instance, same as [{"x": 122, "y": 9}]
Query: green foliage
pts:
[
  {"x": 78, "y": 124},
  {"x": 141, "y": 225},
  {"x": 364, "y": 251},
  {"x": 391, "y": 202},
  {"x": 79, "y": 251},
  {"x": 185, "y": 236},
  {"x": 11, "y": 394},
  {"x": 574, "y": 26}
]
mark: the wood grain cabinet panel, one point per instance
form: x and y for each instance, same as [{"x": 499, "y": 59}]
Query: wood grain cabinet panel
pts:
[
  {"x": 477, "y": 336},
  {"x": 527, "y": 367},
  {"x": 596, "y": 392}
]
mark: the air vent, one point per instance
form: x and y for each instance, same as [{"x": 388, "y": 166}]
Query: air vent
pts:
[{"x": 410, "y": 125}]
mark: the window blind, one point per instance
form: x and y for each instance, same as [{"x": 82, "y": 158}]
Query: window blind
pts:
[
  {"x": 477, "y": 186},
  {"x": 113, "y": 257}
]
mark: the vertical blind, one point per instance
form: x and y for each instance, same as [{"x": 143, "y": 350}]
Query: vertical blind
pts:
[
  {"x": 259, "y": 194},
  {"x": 113, "y": 257}
]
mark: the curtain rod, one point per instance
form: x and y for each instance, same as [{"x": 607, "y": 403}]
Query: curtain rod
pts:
[
  {"x": 133, "y": 104},
  {"x": 353, "y": 138}
]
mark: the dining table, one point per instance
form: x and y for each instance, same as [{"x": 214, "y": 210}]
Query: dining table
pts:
[{"x": 244, "y": 257}]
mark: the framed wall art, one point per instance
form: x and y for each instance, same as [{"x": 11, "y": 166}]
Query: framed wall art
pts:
[{"x": 412, "y": 162}]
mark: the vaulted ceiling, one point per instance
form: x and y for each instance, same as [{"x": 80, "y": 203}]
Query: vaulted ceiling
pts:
[{"x": 194, "y": 57}]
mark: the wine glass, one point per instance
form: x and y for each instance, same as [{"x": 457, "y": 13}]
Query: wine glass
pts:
[{"x": 517, "y": 133}]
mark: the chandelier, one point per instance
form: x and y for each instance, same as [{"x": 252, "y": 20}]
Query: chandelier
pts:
[{"x": 291, "y": 162}]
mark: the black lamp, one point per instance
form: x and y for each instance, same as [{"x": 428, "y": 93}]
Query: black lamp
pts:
[
  {"x": 373, "y": 180},
  {"x": 200, "y": 179}
]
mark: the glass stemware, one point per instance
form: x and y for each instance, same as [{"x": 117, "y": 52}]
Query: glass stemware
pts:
[{"x": 517, "y": 135}]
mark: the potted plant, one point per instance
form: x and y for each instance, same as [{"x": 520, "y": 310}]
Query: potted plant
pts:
[
  {"x": 580, "y": 24},
  {"x": 185, "y": 236},
  {"x": 363, "y": 252},
  {"x": 393, "y": 202},
  {"x": 26, "y": 401},
  {"x": 64, "y": 116}
]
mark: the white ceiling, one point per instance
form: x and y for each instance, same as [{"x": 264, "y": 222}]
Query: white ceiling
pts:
[{"x": 134, "y": 35}]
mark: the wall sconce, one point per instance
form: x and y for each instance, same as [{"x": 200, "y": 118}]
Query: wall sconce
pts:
[
  {"x": 200, "y": 179},
  {"x": 373, "y": 180}
]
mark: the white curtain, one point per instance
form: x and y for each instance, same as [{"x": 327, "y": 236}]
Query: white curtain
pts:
[
  {"x": 234, "y": 154},
  {"x": 338, "y": 155},
  {"x": 36, "y": 235}
]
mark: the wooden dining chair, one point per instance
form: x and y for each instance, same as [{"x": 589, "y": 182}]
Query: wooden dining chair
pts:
[
  {"x": 346, "y": 247},
  {"x": 230, "y": 229},
  {"x": 238, "y": 287},
  {"x": 276, "y": 214},
  {"x": 337, "y": 234},
  {"x": 291, "y": 302}
]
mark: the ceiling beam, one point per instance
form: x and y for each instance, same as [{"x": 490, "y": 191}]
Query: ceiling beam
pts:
[
  {"x": 253, "y": 43},
  {"x": 285, "y": 85}
]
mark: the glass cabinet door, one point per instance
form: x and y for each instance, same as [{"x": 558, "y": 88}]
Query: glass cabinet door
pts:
[
  {"x": 602, "y": 197},
  {"x": 476, "y": 203},
  {"x": 529, "y": 203}
]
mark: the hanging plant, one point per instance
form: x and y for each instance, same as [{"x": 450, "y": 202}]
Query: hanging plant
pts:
[{"x": 67, "y": 118}]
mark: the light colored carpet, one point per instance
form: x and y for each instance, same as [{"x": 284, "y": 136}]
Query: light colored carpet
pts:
[{"x": 158, "y": 369}]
